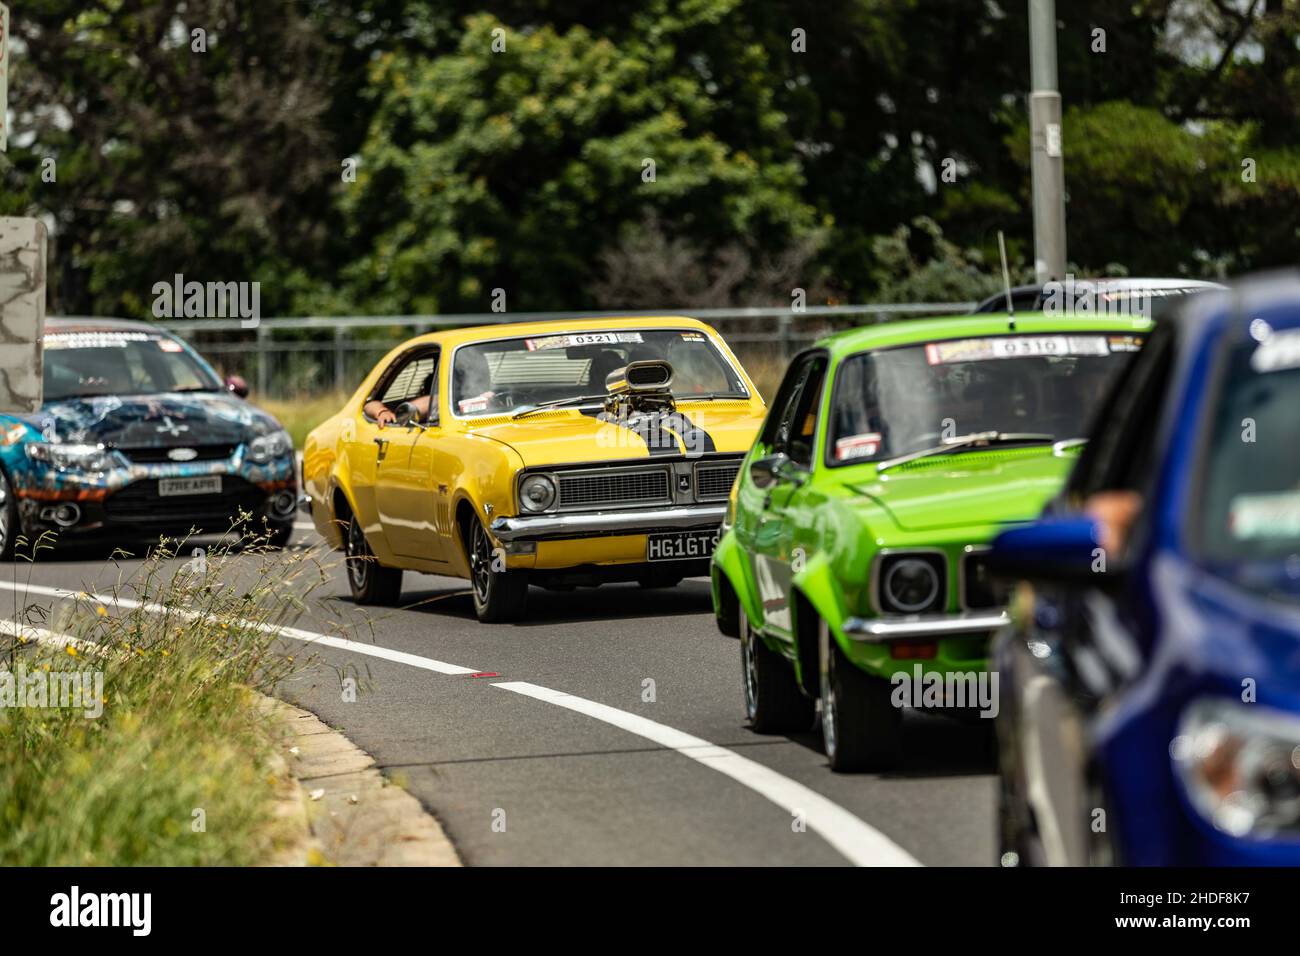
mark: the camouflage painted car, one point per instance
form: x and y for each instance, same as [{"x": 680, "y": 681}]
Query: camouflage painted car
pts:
[
  {"x": 851, "y": 563},
  {"x": 137, "y": 437}
]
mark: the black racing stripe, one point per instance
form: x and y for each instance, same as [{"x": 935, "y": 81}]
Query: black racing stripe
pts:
[
  {"x": 661, "y": 431},
  {"x": 658, "y": 439},
  {"x": 695, "y": 438},
  {"x": 654, "y": 429}
]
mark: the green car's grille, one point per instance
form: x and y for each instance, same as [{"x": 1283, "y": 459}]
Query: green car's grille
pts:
[{"x": 980, "y": 590}]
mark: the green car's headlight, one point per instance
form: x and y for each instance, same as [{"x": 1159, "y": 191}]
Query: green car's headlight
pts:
[
  {"x": 909, "y": 584},
  {"x": 1240, "y": 765},
  {"x": 71, "y": 457},
  {"x": 269, "y": 447},
  {"x": 537, "y": 493}
]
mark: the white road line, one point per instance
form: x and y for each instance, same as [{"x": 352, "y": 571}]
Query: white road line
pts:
[
  {"x": 859, "y": 842},
  {"x": 297, "y": 634},
  {"x": 41, "y": 635}
]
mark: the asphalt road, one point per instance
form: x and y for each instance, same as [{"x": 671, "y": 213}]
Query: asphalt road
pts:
[{"x": 646, "y": 761}]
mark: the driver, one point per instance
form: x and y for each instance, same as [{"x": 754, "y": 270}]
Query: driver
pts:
[{"x": 383, "y": 415}]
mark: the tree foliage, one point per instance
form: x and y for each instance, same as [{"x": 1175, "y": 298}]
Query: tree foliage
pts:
[{"x": 504, "y": 144}]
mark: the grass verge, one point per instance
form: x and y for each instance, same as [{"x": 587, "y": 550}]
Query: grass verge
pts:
[
  {"x": 301, "y": 414},
  {"x": 175, "y": 768}
]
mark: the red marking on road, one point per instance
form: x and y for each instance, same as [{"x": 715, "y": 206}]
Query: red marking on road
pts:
[{"x": 485, "y": 674}]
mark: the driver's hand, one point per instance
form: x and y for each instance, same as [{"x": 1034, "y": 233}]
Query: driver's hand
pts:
[{"x": 385, "y": 416}]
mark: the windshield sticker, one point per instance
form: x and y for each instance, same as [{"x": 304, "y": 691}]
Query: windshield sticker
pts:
[
  {"x": 583, "y": 338},
  {"x": 1281, "y": 350},
  {"x": 478, "y": 403},
  {"x": 980, "y": 350},
  {"x": 857, "y": 446},
  {"x": 1274, "y": 515},
  {"x": 1125, "y": 343},
  {"x": 692, "y": 337},
  {"x": 170, "y": 345},
  {"x": 93, "y": 340}
]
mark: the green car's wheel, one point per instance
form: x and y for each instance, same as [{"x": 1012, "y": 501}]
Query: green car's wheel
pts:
[
  {"x": 773, "y": 702},
  {"x": 499, "y": 595},
  {"x": 861, "y": 728},
  {"x": 370, "y": 581}
]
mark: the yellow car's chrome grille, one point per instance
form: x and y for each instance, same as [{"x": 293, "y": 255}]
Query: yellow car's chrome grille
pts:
[
  {"x": 648, "y": 486},
  {"x": 715, "y": 481}
]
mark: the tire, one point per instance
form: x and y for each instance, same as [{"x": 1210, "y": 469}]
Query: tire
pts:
[
  {"x": 370, "y": 581},
  {"x": 774, "y": 703},
  {"x": 280, "y": 536},
  {"x": 9, "y": 526},
  {"x": 499, "y": 596},
  {"x": 861, "y": 728}
]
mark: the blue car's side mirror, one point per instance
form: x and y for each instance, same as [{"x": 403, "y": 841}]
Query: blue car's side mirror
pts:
[{"x": 1064, "y": 549}]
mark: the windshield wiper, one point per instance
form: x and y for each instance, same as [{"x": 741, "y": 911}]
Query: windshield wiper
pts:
[
  {"x": 960, "y": 442},
  {"x": 571, "y": 400}
]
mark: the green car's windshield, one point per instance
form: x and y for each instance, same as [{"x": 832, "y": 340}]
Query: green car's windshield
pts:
[
  {"x": 507, "y": 375},
  {"x": 898, "y": 401},
  {"x": 1250, "y": 504}
]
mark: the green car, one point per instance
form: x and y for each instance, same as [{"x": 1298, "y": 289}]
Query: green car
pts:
[{"x": 851, "y": 561}]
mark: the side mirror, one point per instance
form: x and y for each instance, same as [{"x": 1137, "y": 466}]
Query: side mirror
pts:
[
  {"x": 765, "y": 472},
  {"x": 1064, "y": 550},
  {"x": 406, "y": 415},
  {"x": 236, "y": 385}
]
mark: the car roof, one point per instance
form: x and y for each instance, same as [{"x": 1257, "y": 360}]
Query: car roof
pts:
[
  {"x": 997, "y": 302},
  {"x": 74, "y": 323},
  {"x": 1275, "y": 295},
  {"x": 917, "y": 331},
  {"x": 505, "y": 330}
]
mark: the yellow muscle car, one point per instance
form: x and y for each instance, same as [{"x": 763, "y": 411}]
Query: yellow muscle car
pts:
[{"x": 557, "y": 454}]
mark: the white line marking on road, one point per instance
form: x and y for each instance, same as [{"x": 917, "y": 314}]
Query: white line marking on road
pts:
[
  {"x": 861, "y": 843},
  {"x": 297, "y": 634}
]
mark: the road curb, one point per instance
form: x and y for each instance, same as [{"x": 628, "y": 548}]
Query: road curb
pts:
[{"x": 356, "y": 815}]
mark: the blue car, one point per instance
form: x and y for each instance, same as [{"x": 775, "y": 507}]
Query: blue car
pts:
[
  {"x": 1150, "y": 679},
  {"x": 138, "y": 437}
]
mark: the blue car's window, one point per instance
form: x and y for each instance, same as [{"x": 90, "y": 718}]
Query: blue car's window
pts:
[
  {"x": 1251, "y": 498},
  {"x": 113, "y": 362},
  {"x": 901, "y": 400}
]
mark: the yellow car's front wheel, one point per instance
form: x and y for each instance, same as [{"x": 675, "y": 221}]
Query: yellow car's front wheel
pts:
[
  {"x": 500, "y": 595},
  {"x": 369, "y": 581}
]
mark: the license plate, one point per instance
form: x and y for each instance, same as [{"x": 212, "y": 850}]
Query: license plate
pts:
[
  {"x": 680, "y": 545},
  {"x": 206, "y": 485}
]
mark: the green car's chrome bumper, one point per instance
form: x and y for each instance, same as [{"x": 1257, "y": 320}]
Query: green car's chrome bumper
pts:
[{"x": 884, "y": 630}]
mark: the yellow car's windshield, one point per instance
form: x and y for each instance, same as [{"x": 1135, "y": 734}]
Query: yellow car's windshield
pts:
[{"x": 505, "y": 375}]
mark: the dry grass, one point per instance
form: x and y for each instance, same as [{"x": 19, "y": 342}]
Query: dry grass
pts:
[{"x": 177, "y": 769}]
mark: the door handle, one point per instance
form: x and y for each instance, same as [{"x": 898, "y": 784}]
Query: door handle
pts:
[{"x": 381, "y": 442}]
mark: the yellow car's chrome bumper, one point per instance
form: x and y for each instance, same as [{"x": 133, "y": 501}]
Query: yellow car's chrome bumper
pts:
[{"x": 599, "y": 523}]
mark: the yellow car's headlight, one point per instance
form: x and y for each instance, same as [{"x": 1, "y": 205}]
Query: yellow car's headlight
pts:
[{"x": 537, "y": 493}]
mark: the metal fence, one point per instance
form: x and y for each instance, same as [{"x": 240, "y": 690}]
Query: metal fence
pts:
[{"x": 286, "y": 357}]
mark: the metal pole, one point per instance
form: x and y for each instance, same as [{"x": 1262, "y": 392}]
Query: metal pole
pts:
[
  {"x": 1048, "y": 165},
  {"x": 340, "y": 375},
  {"x": 263, "y": 377}
]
